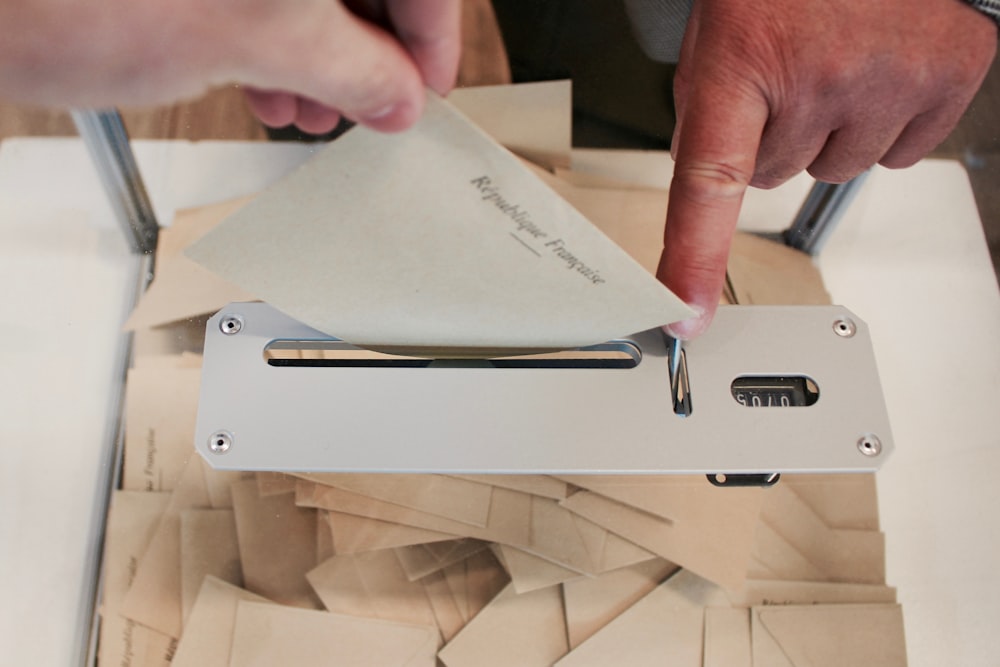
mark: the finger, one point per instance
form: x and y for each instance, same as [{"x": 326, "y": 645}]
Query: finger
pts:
[
  {"x": 274, "y": 109},
  {"x": 790, "y": 143},
  {"x": 921, "y": 136},
  {"x": 853, "y": 149},
  {"x": 716, "y": 153},
  {"x": 315, "y": 118},
  {"x": 332, "y": 56},
  {"x": 431, "y": 32},
  {"x": 681, "y": 83}
]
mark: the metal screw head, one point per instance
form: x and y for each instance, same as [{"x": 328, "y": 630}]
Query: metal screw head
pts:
[
  {"x": 845, "y": 328},
  {"x": 220, "y": 442},
  {"x": 870, "y": 445},
  {"x": 230, "y": 324}
]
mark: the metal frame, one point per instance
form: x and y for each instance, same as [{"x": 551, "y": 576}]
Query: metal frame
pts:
[
  {"x": 472, "y": 417},
  {"x": 104, "y": 134}
]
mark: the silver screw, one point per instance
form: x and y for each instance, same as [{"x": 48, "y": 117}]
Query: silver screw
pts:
[
  {"x": 845, "y": 328},
  {"x": 231, "y": 324},
  {"x": 220, "y": 442},
  {"x": 869, "y": 445}
]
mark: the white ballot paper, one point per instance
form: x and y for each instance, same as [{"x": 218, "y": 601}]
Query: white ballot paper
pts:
[{"x": 434, "y": 239}]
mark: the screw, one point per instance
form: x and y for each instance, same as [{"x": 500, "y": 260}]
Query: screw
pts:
[
  {"x": 220, "y": 442},
  {"x": 231, "y": 324},
  {"x": 845, "y": 328},
  {"x": 870, "y": 445}
]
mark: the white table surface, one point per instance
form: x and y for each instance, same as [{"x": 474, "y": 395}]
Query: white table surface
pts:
[{"x": 909, "y": 258}]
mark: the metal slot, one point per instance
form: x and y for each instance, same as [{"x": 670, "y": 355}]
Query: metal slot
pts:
[
  {"x": 762, "y": 479},
  {"x": 332, "y": 353},
  {"x": 680, "y": 387},
  {"x": 779, "y": 391}
]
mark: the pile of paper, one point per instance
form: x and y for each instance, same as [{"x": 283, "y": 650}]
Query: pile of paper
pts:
[{"x": 210, "y": 568}]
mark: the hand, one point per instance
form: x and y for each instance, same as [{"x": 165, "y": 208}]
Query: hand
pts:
[
  {"x": 325, "y": 59},
  {"x": 429, "y": 32},
  {"x": 766, "y": 89}
]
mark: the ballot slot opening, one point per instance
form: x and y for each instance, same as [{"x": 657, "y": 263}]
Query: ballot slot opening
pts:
[
  {"x": 680, "y": 388},
  {"x": 338, "y": 354},
  {"x": 775, "y": 391}
]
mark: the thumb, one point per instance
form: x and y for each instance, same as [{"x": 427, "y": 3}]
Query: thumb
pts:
[{"x": 323, "y": 52}]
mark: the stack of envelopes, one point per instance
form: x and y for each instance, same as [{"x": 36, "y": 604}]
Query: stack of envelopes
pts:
[
  {"x": 210, "y": 568},
  {"x": 243, "y": 568}
]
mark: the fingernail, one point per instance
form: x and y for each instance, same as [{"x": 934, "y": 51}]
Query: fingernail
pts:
[
  {"x": 689, "y": 328},
  {"x": 392, "y": 117},
  {"x": 384, "y": 112}
]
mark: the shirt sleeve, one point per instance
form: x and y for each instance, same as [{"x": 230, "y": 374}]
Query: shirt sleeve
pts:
[{"x": 658, "y": 26}]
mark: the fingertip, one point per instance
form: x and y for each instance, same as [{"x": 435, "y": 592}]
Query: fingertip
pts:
[
  {"x": 693, "y": 327},
  {"x": 395, "y": 116},
  {"x": 273, "y": 109},
  {"x": 316, "y": 118}
]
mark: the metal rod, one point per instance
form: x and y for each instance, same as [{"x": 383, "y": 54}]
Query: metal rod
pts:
[
  {"x": 106, "y": 139},
  {"x": 824, "y": 206},
  {"x": 108, "y": 479}
]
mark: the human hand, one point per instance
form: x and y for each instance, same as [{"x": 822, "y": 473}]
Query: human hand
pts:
[
  {"x": 428, "y": 31},
  {"x": 764, "y": 90},
  {"x": 324, "y": 58}
]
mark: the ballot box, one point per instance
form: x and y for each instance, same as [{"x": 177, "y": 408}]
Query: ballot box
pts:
[{"x": 122, "y": 546}]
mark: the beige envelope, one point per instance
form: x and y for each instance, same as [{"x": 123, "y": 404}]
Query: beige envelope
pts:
[
  {"x": 727, "y": 638},
  {"x": 273, "y": 635},
  {"x": 154, "y": 599},
  {"x": 528, "y": 572},
  {"x": 764, "y": 272},
  {"x": 523, "y": 630},
  {"x": 220, "y": 482},
  {"x": 758, "y": 593},
  {"x": 160, "y": 406},
  {"x": 536, "y": 485},
  {"x": 372, "y": 585},
  {"x": 669, "y": 621},
  {"x": 608, "y": 550},
  {"x": 592, "y": 603},
  {"x": 352, "y": 533},
  {"x": 447, "y": 615},
  {"x": 713, "y": 539},
  {"x": 132, "y": 521},
  {"x": 419, "y": 560},
  {"x": 828, "y": 636},
  {"x": 794, "y": 542},
  {"x": 441, "y": 495},
  {"x": 475, "y": 581},
  {"x": 277, "y": 541},
  {"x": 274, "y": 483},
  {"x": 324, "y": 537},
  {"x": 208, "y": 635},
  {"x": 182, "y": 288},
  {"x": 841, "y": 500},
  {"x": 530, "y": 119},
  {"x": 532, "y": 523},
  {"x": 208, "y": 548}
]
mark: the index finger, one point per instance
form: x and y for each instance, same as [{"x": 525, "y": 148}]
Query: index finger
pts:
[{"x": 716, "y": 152}]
